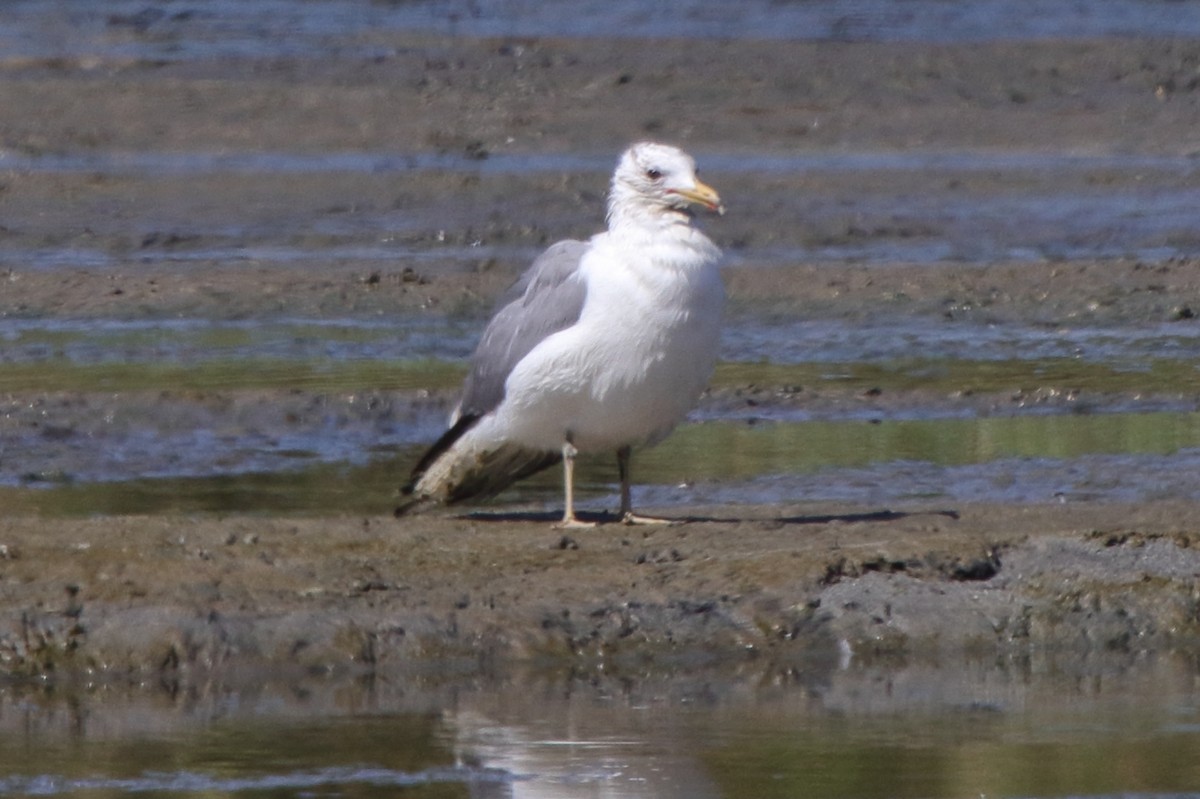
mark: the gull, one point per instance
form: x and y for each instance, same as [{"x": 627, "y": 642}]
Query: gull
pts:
[{"x": 601, "y": 345}]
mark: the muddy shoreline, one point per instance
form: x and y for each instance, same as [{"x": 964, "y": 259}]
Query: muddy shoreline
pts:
[
  {"x": 176, "y": 596},
  {"x": 183, "y": 598}
]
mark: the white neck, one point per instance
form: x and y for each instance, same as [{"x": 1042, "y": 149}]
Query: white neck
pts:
[{"x": 628, "y": 209}]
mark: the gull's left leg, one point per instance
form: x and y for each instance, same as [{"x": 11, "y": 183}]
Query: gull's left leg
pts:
[
  {"x": 626, "y": 513},
  {"x": 569, "y": 519}
]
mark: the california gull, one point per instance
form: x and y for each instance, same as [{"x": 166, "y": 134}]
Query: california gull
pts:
[{"x": 601, "y": 345}]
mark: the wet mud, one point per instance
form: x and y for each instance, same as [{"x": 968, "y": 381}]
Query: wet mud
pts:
[{"x": 177, "y": 598}]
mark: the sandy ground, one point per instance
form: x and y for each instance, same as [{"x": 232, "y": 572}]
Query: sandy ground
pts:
[{"x": 170, "y": 596}]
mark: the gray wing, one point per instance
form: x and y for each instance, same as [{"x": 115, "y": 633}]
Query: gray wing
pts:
[{"x": 547, "y": 298}]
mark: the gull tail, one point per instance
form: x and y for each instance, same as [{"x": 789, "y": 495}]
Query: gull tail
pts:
[{"x": 459, "y": 466}]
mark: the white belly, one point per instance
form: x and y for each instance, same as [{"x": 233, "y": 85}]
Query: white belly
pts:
[{"x": 627, "y": 373}]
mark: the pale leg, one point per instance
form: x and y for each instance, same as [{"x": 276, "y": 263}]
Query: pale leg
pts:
[
  {"x": 626, "y": 513},
  {"x": 569, "y": 520}
]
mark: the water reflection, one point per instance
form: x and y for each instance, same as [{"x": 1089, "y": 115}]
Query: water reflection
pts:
[
  {"x": 966, "y": 729},
  {"x": 1043, "y": 725},
  {"x": 587, "y": 754}
]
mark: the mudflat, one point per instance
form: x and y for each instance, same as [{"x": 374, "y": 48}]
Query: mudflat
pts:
[{"x": 177, "y": 593}]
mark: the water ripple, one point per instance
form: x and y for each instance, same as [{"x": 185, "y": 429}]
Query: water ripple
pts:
[{"x": 182, "y": 782}]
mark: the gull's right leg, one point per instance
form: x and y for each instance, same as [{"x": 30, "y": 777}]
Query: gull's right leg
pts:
[{"x": 626, "y": 513}]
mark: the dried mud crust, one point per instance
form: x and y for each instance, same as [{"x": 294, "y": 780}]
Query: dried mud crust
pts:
[{"x": 130, "y": 597}]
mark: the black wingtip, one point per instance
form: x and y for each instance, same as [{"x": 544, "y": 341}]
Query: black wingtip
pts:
[
  {"x": 407, "y": 505},
  {"x": 439, "y": 448}
]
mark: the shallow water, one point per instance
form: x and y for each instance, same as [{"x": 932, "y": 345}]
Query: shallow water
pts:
[
  {"x": 272, "y": 28},
  {"x": 1111, "y": 726},
  {"x": 173, "y": 438},
  {"x": 1113, "y": 457},
  {"x": 747, "y": 338}
]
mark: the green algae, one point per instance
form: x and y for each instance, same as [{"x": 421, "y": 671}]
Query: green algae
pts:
[{"x": 940, "y": 376}]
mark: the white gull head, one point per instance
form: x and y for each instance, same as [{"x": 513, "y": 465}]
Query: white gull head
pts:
[{"x": 658, "y": 183}]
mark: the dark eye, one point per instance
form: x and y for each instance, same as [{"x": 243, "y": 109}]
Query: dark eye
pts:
[{"x": 653, "y": 174}]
